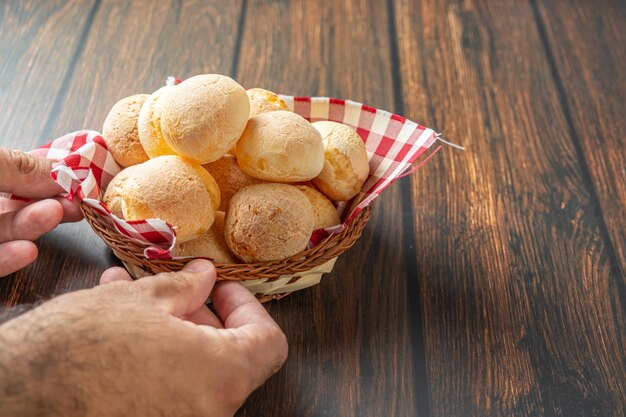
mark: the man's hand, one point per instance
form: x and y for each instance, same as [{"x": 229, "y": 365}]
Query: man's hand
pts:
[
  {"x": 20, "y": 222},
  {"x": 144, "y": 348}
]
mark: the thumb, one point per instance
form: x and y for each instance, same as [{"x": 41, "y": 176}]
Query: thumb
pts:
[
  {"x": 182, "y": 292},
  {"x": 26, "y": 175}
]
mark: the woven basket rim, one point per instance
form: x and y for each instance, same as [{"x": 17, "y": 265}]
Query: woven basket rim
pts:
[{"x": 331, "y": 247}]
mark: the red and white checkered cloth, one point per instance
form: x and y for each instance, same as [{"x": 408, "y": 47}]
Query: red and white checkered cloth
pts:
[{"x": 393, "y": 144}]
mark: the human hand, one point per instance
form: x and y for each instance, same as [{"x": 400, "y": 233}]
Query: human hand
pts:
[
  {"x": 22, "y": 222},
  {"x": 147, "y": 348}
]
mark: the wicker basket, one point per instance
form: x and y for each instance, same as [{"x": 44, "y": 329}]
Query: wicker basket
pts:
[
  {"x": 393, "y": 143},
  {"x": 268, "y": 280}
]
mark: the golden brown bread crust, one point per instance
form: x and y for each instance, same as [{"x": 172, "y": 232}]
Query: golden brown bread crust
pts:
[
  {"x": 280, "y": 146},
  {"x": 324, "y": 213},
  {"x": 229, "y": 177},
  {"x": 203, "y": 117},
  {"x": 113, "y": 194},
  {"x": 263, "y": 101},
  {"x": 267, "y": 222},
  {"x": 212, "y": 244},
  {"x": 120, "y": 131},
  {"x": 149, "y": 126},
  {"x": 172, "y": 189},
  {"x": 346, "y": 164}
]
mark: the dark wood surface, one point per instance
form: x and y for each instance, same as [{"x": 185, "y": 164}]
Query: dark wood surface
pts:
[
  {"x": 520, "y": 291},
  {"x": 490, "y": 283}
]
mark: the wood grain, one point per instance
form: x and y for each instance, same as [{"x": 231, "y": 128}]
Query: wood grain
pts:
[
  {"x": 35, "y": 58},
  {"x": 131, "y": 47},
  {"x": 38, "y": 43},
  {"x": 134, "y": 46},
  {"x": 351, "y": 346},
  {"x": 489, "y": 284},
  {"x": 520, "y": 303},
  {"x": 586, "y": 40}
]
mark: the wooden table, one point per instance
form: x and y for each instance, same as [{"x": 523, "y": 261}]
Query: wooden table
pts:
[{"x": 490, "y": 283}]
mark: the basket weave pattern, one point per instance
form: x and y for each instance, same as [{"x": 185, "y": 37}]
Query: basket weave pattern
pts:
[
  {"x": 84, "y": 166},
  {"x": 393, "y": 144},
  {"x": 136, "y": 262}
]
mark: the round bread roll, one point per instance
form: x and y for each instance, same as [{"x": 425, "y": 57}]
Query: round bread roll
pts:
[
  {"x": 204, "y": 116},
  {"x": 280, "y": 146},
  {"x": 212, "y": 244},
  {"x": 263, "y": 101},
  {"x": 324, "y": 213},
  {"x": 172, "y": 189},
  {"x": 120, "y": 131},
  {"x": 149, "y": 126},
  {"x": 113, "y": 195},
  {"x": 346, "y": 165},
  {"x": 229, "y": 177},
  {"x": 267, "y": 222}
]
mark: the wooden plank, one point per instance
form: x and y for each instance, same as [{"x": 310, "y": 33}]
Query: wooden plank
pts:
[
  {"x": 586, "y": 42},
  {"x": 520, "y": 304},
  {"x": 36, "y": 57},
  {"x": 38, "y": 46},
  {"x": 351, "y": 342},
  {"x": 131, "y": 48},
  {"x": 135, "y": 45}
]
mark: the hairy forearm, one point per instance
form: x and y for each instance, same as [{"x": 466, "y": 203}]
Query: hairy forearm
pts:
[
  {"x": 62, "y": 359},
  {"x": 15, "y": 311},
  {"x": 139, "y": 348},
  {"x": 36, "y": 367}
]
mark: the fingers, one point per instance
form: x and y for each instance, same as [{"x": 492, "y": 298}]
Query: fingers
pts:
[
  {"x": 11, "y": 205},
  {"x": 26, "y": 175},
  {"x": 71, "y": 209},
  {"x": 201, "y": 316},
  {"x": 183, "y": 292},
  {"x": 262, "y": 341},
  {"x": 30, "y": 222},
  {"x": 114, "y": 274},
  {"x": 204, "y": 316},
  {"x": 16, "y": 255},
  {"x": 236, "y": 306},
  {"x": 17, "y": 228}
]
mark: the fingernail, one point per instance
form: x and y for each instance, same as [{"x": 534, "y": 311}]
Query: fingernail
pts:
[{"x": 198, "y": 265}]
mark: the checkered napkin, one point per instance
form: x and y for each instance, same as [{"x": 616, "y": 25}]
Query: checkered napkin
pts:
[
  {"x": 393, "y": 144},
  {"x": 84, "y": 166}
]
